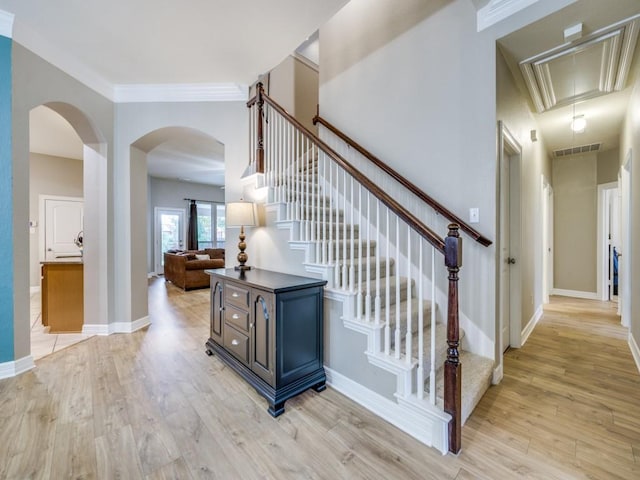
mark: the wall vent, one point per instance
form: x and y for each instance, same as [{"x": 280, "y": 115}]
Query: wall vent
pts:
[{"x": 565, "y": 152}]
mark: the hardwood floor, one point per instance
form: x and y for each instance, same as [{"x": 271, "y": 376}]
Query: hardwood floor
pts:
[{"x": 153, "y": 405}]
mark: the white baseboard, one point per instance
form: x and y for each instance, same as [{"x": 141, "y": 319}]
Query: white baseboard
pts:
[
  {"x": 635, "y": 350},
  {"x": 151, "y": 275},
  {"x": 33, "y": 290},
  {"x": 95, "y": 329},
  {"x": 116, "y": 327},
  {"x": 11, "y": 369},
  {"x": 498, "y": 373},
  {"x": 575, "y": 294},
  {"x": 526, "y": 331},
  {"x": 417, "y": 424},
  {"x": 130, "y": 327}
]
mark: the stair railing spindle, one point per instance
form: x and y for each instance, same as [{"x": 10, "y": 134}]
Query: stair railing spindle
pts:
[
  {"x": 409, "y": 342},
  {"x": 344, "y": 232},
  {"x": 367, "y": 298},
  {"x": 376, "y": 307},
  {"x": 397, "y": 331},
  {"x": 432, "y": 368},
  {"x": 420, "y": 386},
  {"x": 359, "y": 298},
  {"x": 353, "y": 245},
  {"x": 387, "y": 293}
]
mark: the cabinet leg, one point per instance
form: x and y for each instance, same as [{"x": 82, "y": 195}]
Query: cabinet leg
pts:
[
  {"x": 209, "y": 352},
  {"x": 319, "y": 387},
  {"x": 276, "y": 409}
]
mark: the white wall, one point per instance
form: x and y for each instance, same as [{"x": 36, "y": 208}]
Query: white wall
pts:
[
  {"x": 415, "y": 84},
  {"x": 48, "y": 175}
]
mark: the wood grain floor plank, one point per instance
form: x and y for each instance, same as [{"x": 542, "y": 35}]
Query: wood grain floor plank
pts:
[{"x": 152, "y": 405}]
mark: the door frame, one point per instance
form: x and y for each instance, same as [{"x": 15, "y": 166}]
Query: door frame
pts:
[
  {"x": 547, "y": 239},
  {"x": 157, "y": 240},
  {"x": 509, "y": 150},
  {"x": 624, "y": 278},
  {"x": 604, "y": 221}
]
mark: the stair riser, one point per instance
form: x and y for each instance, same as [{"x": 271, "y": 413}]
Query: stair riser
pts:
[
  {"x": 392, "y": 294},
  {"x": 339, "y": 253},
  {"x": 362, "y": 271}
]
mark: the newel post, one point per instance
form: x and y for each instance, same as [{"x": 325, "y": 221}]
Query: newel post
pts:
[
  {"x": 452, "y": 366},
  {"x": 260, "y": 142}
]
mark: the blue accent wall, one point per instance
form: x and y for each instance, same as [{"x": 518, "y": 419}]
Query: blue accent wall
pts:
[{"x": 7, "y": 353}]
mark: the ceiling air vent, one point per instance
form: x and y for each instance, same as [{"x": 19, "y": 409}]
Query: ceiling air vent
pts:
[{"x": 565, "y": 152}]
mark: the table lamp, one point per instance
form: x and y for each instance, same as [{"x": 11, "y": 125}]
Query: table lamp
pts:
[{"x": 241, "y": 214}]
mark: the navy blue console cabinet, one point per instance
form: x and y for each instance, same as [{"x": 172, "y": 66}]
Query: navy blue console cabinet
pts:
[{"x": 268, "y": 327}]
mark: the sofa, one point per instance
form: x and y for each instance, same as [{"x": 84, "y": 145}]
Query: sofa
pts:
[{"x": 185, "y": 270}]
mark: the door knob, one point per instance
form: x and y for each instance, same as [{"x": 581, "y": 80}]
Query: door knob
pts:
[{"x": 511, "y": 261}]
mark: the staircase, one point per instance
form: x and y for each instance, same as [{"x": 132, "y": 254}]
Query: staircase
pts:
[{"x": 381, "y": 262}]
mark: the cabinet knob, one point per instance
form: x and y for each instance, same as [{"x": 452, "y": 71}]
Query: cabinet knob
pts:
[
  {"x": 235, "y": 316},
  {"x": 235, "y": 295},
  {"x": 235, "y": 342}
]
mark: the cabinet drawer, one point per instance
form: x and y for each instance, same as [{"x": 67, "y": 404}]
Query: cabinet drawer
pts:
[
  {"x": 237, "y": 343},
  {"x": 236, "y": 295},
  {"x": 239, "y": 318}
]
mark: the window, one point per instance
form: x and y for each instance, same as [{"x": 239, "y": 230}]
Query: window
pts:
[{"x": 211, "y": 226}]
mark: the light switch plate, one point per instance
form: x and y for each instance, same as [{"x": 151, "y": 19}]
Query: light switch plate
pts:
[{"x": 474, "y": 215}]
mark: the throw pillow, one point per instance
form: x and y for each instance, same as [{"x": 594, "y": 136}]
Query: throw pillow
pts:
[{"x": 202, "y": 257}]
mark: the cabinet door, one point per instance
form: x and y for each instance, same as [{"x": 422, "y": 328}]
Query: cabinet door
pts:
[
  {"x": 263, "y": 337},
  {"x": 217, "y": 310}
]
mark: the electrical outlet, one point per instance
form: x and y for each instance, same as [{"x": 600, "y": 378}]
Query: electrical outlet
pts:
[{"x": 474, "y": 215}]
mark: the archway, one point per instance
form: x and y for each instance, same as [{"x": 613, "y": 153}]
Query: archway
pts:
[
  {"x": 94, "y": 180},
  {"x": 167, "y": 165}
]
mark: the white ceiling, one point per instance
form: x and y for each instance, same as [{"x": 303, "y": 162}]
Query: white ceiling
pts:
[
  {"x": 137, "y": 46},
  {"x": 605, "y": 113},
  {"x": 122, "y": 42}
]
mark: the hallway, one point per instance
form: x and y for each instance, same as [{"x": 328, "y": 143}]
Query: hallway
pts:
[
  {"x": 571, "y": 394},
  {"x": 152, "y": 405}
]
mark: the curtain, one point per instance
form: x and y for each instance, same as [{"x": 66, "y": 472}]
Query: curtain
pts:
[{"x": 192, "y": 232}]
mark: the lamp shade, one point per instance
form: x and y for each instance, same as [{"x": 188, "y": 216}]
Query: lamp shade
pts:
[{"x": 241, "y": 214}]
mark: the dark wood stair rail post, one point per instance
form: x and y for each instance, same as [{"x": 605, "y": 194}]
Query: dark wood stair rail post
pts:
[
  {"x": 452, "y": 366},
  {"x": 260, "y": 133}
]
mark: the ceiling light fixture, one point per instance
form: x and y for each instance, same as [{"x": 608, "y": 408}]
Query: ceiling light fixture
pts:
[{"x": 579, "y": 123}]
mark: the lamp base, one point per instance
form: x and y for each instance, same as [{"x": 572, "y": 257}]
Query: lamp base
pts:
[{"x": 242, "y": 268}]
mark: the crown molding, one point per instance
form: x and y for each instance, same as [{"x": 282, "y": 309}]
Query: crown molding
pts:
[
  {"x": 497, "y": 10},
  {"x": 187, "y": 92},
  {"x": 6, "y": 24}
]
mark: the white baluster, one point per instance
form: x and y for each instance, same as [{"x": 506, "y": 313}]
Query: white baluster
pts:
[
  {"x": 377, "y": 297},
  {"x": 367, "y": 298},
  {"x": 432, "y": 369},
  {"x": 344, "y": 231},
  {"x": 336, "y": 267},
  {"x": 397, "y": 331},
  {"x": 409, "y": 346},
  {"x": 359, "y": 295},
  {"x": 420, "y": 385},
  {"x": 387, "y": 299},
  {"x": 352, "y": 267}
]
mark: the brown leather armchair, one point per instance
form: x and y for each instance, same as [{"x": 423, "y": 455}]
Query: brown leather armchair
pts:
[{"x": 184, "y": 270}]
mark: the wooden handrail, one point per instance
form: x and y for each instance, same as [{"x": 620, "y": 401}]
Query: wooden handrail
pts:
[
  {"x": 425, "y": 232},
  {"x": 405, "y": 182}
]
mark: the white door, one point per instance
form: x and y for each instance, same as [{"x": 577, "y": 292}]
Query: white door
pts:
[
  {"x": 509, "y": 271},
  {"x": 63, "y": 223},
  {"x": 505, "y": 253},
  {"x": 169, "y": 233}
]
